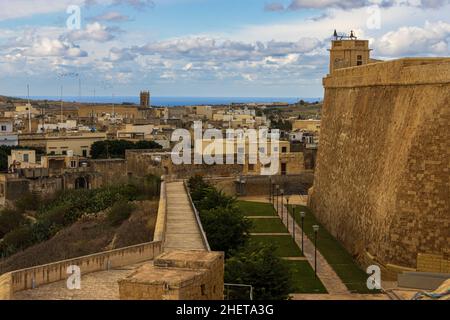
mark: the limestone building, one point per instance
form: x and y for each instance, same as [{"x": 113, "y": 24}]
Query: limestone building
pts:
[
  {"x": 345, "y": 53},
  {"x": 145, "y": 99}
]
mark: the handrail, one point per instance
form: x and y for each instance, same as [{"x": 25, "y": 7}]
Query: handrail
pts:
[{"x": 197, "y": 217}]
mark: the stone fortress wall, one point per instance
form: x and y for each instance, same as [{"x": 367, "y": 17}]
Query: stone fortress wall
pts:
[{"x": 382, "y": 183}]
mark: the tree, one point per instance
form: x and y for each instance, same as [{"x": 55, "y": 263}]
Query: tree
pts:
[
  {"x": 259, "y": 267},
  {"x": 211, "y": 198},
  {"x": 9, "y": 220},
  {"x": 197, "y": 187},
  {"x": 227, "y": 229}
]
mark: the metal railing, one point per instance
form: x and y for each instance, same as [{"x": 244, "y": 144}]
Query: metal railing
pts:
[{"x": 227, "y": 287}]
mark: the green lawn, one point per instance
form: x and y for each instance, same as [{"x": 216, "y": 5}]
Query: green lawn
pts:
[
  {"x": 304, "y": 280},
  {"x": 268, "y": 226},
  {"x": 256, "y": 208},
  {"x": 338, "y": 258},
  {"x": 285, "y": 246}
]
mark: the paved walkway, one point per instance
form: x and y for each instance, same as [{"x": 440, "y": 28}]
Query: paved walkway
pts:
[
  {"x": 325, "y": 272},
  {"x": 100, "y": 285},
  {"x": 182, "y": 230}
]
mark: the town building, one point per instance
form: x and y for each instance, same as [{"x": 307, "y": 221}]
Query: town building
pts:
[{"x": 61, "y": 143}]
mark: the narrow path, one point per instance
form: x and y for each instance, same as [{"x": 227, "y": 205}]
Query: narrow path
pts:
[
  {"x": 101, "y": 285},
  {"x": 325, "y": 272},
  {"x": 182, "y": 230}
]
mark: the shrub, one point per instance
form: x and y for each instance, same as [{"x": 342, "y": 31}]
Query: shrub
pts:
[
  {"x": 227, "y": 229},
  {"x": 18, "y": 239},
  {"x": 196, "y": 182},
  {"x": 120, "y": 212},
  {"x": 28, "y": 201},
  {"x": 9, "y": 220},
  {"x": 213, "y": 198},
  {"x": 259, "y": 267},
  {"x": 59, "y": 215}
]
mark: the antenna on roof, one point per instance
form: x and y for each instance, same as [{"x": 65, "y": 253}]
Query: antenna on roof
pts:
[{"x": 29, "y": 108}]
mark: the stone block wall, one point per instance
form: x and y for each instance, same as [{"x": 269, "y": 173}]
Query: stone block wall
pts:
[
  {"x": 432, "y": 263},
  {"x": 382, "y": 181},
  {"x": 177, "y": 275},
  {"x": 260, "y": 185}
]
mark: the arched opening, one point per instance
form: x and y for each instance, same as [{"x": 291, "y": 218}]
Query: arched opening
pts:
[{"x": 82, "y": 183}]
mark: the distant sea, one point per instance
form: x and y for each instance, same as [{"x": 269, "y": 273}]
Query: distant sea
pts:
[{"x": 175, "y": 101}]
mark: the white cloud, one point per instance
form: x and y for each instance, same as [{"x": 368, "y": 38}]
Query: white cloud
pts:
[
  {"x": 352, "y": 4},
  {"x": 46, "y": 47},
  {"x": 188, "y": 67},
  {"x": 26, "y": 8},
  {"x": 111, "y": 16},
  {"x": 93, "y": 32},
  {"x": 431, "y": 39}
]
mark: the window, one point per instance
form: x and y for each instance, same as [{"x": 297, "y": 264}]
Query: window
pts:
[
  {"x": 73, "y": 164},
  {"x": 64, "y": 152},
  {"x": 359, "y": 60},
  {"x": 84, "y": 153},
  {"x": 3, "y": 128},
  {"x": 26, "y": 157},
  {"x": 283, "y": 149}
]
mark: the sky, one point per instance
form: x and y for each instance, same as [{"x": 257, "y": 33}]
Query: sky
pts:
[{"x": 236, "y": 48}]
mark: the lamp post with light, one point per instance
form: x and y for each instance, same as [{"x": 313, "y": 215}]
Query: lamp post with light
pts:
[
  {"x": 282, "y": 202},
  {"x": 270, "y": 189},
  {"x": 287, "y": 212},
  {"x": 277, "y": 189},
  {"x": 293, "y": 222},
  {"x": 316, "y": 230},
  {"x": 302, "y": 216}
]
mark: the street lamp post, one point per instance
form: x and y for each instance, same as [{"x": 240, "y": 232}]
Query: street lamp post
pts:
[
  {"x": 302, "y": 215},
  {"x": 273, "y": 193},
  {"x": 293, "y": 222},
  {"x": 270, "y": 189},
  {"x": 282, "y": 202},
  {"x": 287, "y": 212},
  {"x": 277, "y": 189},
  {"x": 316, "y": 229}
]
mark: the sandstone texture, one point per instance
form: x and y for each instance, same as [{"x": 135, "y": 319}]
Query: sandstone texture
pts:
[{"x": 382, "y": 184}]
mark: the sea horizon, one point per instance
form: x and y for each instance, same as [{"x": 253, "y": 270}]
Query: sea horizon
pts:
[{"x": 168, "y": 101}]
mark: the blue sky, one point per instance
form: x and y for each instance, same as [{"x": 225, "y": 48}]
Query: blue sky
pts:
[{"x": 202, "y": 47}]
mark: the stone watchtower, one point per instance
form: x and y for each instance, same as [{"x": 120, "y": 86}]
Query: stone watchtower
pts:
[
  {"x": 145, "y": 99},
  {"x": 348, "y": 51}
]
